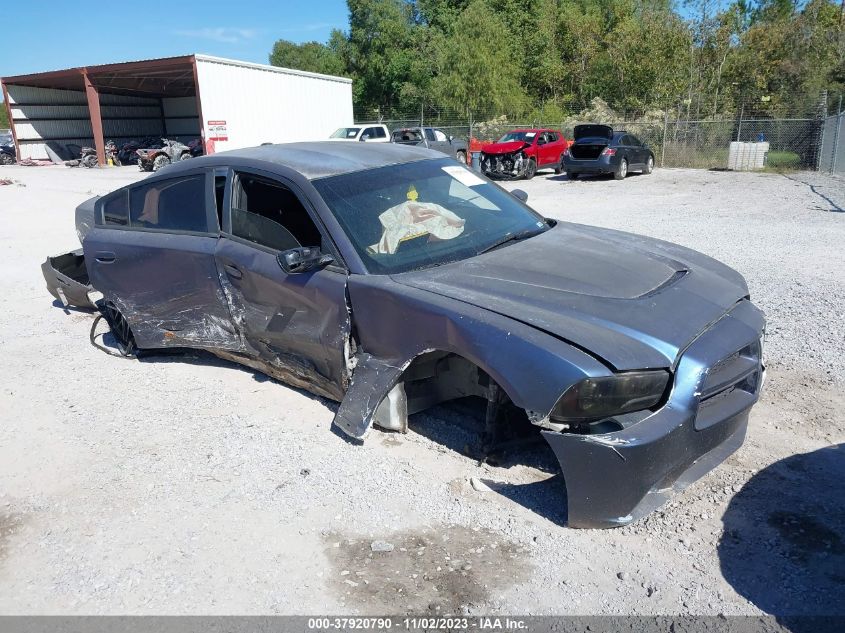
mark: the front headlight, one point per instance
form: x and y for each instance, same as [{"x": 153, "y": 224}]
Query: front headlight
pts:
[{"x": 598, "y": 398}]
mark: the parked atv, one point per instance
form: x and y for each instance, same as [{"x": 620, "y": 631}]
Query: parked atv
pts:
[
  {"x": 153, "y": 159},
  {"x": 111, "y": 153}
]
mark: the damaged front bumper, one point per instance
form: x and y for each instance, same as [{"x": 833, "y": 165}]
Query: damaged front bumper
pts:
[
  {"x": 614, "y": 478},
  {"x": 510, "y": 166}
]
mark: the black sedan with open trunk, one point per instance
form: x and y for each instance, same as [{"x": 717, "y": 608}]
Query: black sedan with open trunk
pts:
[
  {"x": 391, "y": 278},
  {"x": 599, "y": 149}
]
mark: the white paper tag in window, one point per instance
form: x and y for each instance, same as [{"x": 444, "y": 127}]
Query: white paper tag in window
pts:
[{"x": 463, "y": 175}]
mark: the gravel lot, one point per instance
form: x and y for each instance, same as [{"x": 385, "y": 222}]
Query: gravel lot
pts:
[{"x": 185, "y": 484}]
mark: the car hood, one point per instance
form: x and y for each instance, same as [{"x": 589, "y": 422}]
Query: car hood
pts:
[
  {"x": 504, "y": 148},
  {"x": 634, "y": 302}
]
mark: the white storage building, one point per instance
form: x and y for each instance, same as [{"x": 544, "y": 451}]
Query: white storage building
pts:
[{"x": 230, "y": 104}]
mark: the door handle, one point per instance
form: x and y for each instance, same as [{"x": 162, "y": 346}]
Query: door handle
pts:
[
  {"x": 104, "y": 257},
  {"x": 233, "y": 271}
]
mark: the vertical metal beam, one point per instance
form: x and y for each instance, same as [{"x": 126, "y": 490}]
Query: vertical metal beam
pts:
[
  {"x": 199, "y": 103},
  {"x": 93, "y": 96},
  {"x": 163, "y": 118},
  {"x": 11, "y": 121}
]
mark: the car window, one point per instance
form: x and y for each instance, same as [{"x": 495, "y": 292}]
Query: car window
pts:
[
  {"x": 526, "y": 137},
  {"x": 404, "y": 136},
  {"x": 268, "y": 213},
  {"x": 541, "y": 140},
  {"x": 625, "y": 140},
  {"x": 424, "y": 213},
  {"x": 552, "y": 136},
  {"x": 429, "y": 134},
  {"x": 345, "y": 132},
  {"x": 440, "y": 136},
  {"x": 633, "y": 140},
  {"x": 177, "y": 204},
  {"x": 378, "y": 132},
  {"x": 116, "y": 209}
]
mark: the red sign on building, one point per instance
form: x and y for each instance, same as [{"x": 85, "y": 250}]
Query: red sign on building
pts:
[{"x": 217, "y": 131}]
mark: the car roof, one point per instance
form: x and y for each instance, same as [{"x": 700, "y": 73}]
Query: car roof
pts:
[{"x": 314, "y": 160}]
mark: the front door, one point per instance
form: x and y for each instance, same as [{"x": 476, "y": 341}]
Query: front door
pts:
[
  {"x": 544, "y": 149},
  {"x": 151, "y": 254},
  {"x": 297, "y": 324}
]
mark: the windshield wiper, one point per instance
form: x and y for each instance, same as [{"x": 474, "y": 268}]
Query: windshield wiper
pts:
[{"x": 507, "y": 239}]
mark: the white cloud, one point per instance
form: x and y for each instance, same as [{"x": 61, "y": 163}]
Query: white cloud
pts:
[{"x": 224, "y": 34}]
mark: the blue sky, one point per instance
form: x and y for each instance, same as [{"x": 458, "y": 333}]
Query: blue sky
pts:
[{"x": 53, "y": 35}]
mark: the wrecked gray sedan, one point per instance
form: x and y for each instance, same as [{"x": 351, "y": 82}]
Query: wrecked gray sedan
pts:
[{"x": 390, "y": 279}]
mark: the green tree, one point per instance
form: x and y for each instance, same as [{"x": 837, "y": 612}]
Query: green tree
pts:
[
  {"x": 478, "y": 72},
  {"x": 311, "y": 56},
  {"x": 549, "y": 57},
  {"x": 388, "y": 54}
]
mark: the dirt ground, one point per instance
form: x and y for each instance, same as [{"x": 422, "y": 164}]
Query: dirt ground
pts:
[{"x": 183, "y": 484}]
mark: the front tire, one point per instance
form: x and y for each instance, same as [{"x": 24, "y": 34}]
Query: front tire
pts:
[
  {"x": 531, "y": 169},
  {"x": 622, "y": 171},
  {"x": 160, "y": 161},
  {"x": 649, "y": 166}
]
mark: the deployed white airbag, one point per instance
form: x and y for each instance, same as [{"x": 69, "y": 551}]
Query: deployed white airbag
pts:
[{"x": 412, "y": 219}]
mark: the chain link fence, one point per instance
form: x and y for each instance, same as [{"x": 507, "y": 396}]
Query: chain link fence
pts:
[
  {"x": 794, "y": 143},
  {"x": 832, "y": 155}
]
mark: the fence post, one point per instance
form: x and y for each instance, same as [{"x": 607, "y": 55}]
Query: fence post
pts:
[
  {"x": 836, "y": 136},
  {"x": 663, "y": 144},
  {"x": 739, "y": 127},
  {"x": 469, "y": 138}
]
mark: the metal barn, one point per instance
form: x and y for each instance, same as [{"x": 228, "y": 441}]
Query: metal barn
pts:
[{"x": 230, "y": 104}]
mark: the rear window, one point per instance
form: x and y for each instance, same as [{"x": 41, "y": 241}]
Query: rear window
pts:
[
  {"x": 116, "y": 209},
  {"x": 174, "y": 205}
]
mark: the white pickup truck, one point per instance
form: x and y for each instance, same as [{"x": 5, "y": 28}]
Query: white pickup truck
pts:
[{"x": 372, "y": 133}]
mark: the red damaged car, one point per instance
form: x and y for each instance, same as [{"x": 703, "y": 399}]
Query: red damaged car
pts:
[{"x": 520, "y": 153}]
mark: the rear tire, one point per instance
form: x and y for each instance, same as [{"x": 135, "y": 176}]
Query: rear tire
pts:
[
  {"x": 531, "y": 169},
  {"x": 5, "y": 159},
  {"x": 559, "y": 168},
  {"x": 120, "y": 329},
  {"x": 160, "y": 161},
  {"x": 620, "y": 173},
  {"x": 461, "y": 157}
]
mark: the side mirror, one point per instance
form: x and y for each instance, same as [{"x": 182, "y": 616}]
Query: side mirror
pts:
[
  {"x": 519, "y": 194},
  {"x": 364, "y": 138},
  {"x": 450, "y": 137},
  {"x": 303, "y": 259}
]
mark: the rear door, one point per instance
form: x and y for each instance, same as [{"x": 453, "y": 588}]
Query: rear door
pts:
[
  {"x": 638, "y": 150},
  {"x": 151, "y": 253},
  {"x": 631, "y": 151},
  {"x": 298, "y": 323}
]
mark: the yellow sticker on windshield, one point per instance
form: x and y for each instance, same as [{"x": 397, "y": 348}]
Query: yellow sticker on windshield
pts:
[{"x": 412, "y": 193}]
